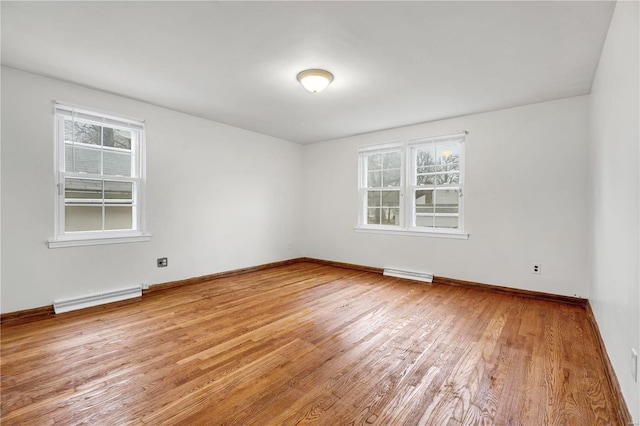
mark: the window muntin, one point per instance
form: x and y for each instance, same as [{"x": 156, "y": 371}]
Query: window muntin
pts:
[
  {"x": 413, "y": 186},
  {"x": 100, "y": 162}
]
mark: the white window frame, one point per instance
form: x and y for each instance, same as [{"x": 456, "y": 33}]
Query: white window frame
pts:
[
  {"x": 138, "y": 232},
  {"x": 408, "y": 187}
]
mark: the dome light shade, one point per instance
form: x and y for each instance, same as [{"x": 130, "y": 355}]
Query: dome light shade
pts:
[{"x": 315, "y": 80}]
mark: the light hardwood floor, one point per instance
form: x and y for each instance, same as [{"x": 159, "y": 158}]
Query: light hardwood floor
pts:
[{"x": 308, "y": 343}]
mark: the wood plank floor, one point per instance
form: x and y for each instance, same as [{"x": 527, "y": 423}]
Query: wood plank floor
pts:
[{"x": 308, "y": 344}]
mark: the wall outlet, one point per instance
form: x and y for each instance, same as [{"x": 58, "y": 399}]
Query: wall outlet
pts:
[
  {"x": 536, "y": 268},
  {"x": 634, "y": 365},
  {"x": 162, "y": 262}
]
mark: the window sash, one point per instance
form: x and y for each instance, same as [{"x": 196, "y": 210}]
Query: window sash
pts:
[
  {"x": 434, "y": 206},
  {"x": 133, "y": 152}
]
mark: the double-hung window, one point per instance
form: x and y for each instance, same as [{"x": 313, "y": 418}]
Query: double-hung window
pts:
[
  {"x": 381, "y": 185},
  {"x": 100, "y": 178},
  {"x": 413, "y": 186}
]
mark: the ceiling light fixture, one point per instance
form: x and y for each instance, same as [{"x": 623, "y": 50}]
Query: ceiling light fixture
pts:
[{"x": 315, "y": 80}]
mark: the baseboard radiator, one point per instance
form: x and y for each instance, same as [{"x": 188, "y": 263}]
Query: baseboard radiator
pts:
[
  {"x": 426, "y": 277},
  {"x": 66, "y": 305}
]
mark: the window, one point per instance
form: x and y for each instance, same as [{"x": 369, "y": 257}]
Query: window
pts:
[
  {"x": 423, "y": 197},
  {"x": 382, "y": 187},
  {"x": 100, "y": 178}
]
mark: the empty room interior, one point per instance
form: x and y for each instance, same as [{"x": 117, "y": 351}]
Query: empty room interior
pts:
[{"x": 336, "y": 213}]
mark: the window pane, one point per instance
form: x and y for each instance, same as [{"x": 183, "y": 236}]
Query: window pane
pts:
[
  {"x": 373, "y": 198},
  {"x": 83, "y": 189},
  {"x": 374, "y": 179},
  {"x": 80, "y": 159},
  {"x": 116, "y": 138},
  {"x": 425, "y": 180},
  {"x": 428, "y": 169},
  {"x": 117, "y": 163},
  {"x": 391, "y": 177},
  {"x": 82, "y": 132},
  {"x": 424, "y": 221},
  {"x": 374, "y": 162},
  {"x": 391, "y": 198},
  {"x": 425, "y": 157},
  {"x": 68, "y": 130},
  {"x": 373, "y": 216},
  {"x": 121, "y": 191},
  {"x": 451, "y": 178},
  {"x": 446, "y": 209},
  {"x": 390, "y": 216},
  {"x": 391, "y": 160},
  {"x": 449, "y": 155},
  {"x": 447, "y": 198},
  {"x": 68, "y": 157},
  {"x": 118, "y": 217},
  {"x": 446, "y": 222},
  {"x": 424, "y": 198},
  {"x": 82, "y": 218}
]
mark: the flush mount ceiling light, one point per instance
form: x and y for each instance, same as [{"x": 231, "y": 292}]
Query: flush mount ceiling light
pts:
[{"x": 315, "y": 80}]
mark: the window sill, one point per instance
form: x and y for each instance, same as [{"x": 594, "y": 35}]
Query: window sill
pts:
[
  {"x": 398, "y": 231},
  {"x": 92, "y": 241}
]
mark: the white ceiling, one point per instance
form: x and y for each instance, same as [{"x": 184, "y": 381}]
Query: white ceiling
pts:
[{"x": 395, "y": 63}]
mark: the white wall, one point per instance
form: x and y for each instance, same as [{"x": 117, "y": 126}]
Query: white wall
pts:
[
  {"x": 615, "y": 190},
  {"x": 218, "y": 198},
  {"x": 525, "y": 201}
]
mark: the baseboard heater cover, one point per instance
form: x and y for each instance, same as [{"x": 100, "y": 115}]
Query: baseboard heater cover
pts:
[
  {"x": 66, "y": 305},
  {"x": 426, "y": 277}
]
